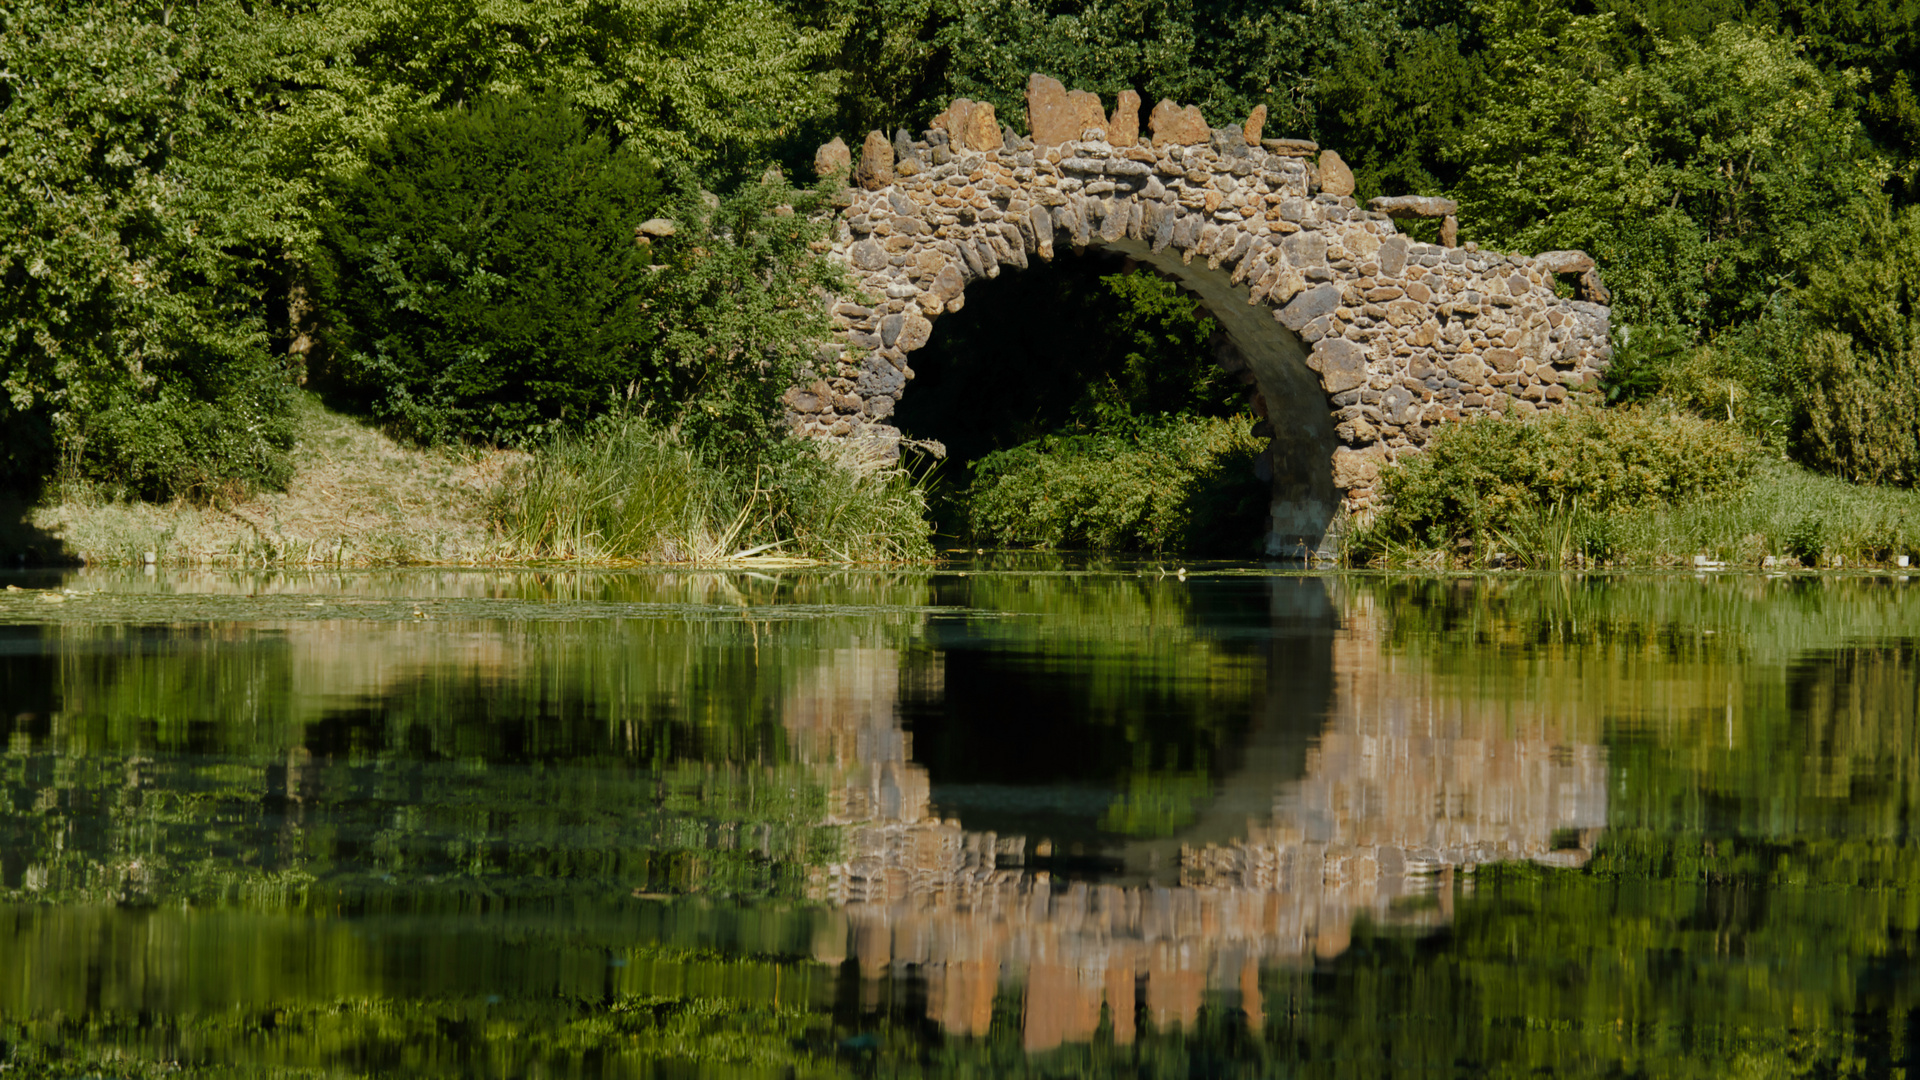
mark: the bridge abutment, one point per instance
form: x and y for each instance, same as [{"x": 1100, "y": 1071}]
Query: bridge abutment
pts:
[{"x": 1359, "y": 339}]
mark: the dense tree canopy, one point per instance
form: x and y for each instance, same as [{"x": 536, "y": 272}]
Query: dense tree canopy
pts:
[{"x": 169, "y": 172}]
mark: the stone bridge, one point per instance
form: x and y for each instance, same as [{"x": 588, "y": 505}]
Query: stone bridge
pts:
[{"x": 1355, "y": 339}]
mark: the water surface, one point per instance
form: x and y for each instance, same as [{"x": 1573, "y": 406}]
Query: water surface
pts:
[{"x": 1003, "y": 818}]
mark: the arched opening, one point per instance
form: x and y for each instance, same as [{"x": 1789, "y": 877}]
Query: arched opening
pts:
[{"x": 1116, "y": 338}]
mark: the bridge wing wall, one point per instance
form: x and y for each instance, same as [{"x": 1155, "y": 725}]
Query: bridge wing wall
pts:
[{"x": 1360, "y": 339}]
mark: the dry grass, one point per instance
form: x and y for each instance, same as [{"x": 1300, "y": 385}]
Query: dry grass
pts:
[{"x": 358, "y": 498}]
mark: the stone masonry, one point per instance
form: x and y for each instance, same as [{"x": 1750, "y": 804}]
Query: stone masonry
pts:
[{"x": 1354, "y": 339}]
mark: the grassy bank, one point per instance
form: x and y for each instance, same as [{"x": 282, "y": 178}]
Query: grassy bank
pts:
[{"x": 624, "y": 491}]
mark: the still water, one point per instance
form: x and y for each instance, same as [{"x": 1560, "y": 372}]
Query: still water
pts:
[{"x": 1000, "y": 819}]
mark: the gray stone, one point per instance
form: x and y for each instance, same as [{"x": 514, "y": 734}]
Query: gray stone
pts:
[
  {"x": 1392, "y": 256},
  {"x": 868, "y": 255},
  {"x": 1342, "y": 364},
  {"x": 890, "y": 330},
  {"x": 1309, "y": 305}
]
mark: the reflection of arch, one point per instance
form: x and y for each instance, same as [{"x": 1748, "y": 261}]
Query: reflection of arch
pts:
[
  {"x": 1402, "y": 784},
  {"x": 1358, "y": 339}
]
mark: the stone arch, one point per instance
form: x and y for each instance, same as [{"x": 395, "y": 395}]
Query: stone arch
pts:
[{"x": 1357, "y": 339}]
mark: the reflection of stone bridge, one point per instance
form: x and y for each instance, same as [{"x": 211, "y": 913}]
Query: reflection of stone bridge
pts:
[
  {"x": 1357, "y": 338},
  {"x": 1399, "y": 785}
]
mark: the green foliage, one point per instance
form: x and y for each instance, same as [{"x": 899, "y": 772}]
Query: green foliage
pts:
[
  {"x": 1863, "y": 356},
  {"x": 1703, "y": 179},
  {"x": 629, "y": 489},
  {"x": 1492, "y": 475},
  {"x": 484, "y": 280},
  {"x": 135, "y": 217},
  {"x": 1177, "y": 483},
  {"x": 713, "y": 84},
  {"x": 481, "y": 278}
]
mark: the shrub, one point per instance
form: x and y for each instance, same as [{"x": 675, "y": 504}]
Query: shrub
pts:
[
  {"x": 1179, "y": 483},
  {"x": 1863, "y": 358},
  {"x": 482, "y": 280},
  {"x": 629, "y": 488},
  {"x": 1498, "y": 475},
  {"x": 480, "y": 277}
]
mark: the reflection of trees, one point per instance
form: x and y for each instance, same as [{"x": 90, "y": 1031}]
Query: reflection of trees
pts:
[{"x": 1747, "y": 908}]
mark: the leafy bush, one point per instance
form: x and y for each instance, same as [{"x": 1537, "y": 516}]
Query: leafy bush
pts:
[
  {"x": 628, "y": 488},
  {"x": 1863, "y": 358},
  {"x": 1180, "y": 483},
  {"x": 480, "y": 276},
  {"x": 482, "y": 279},
  {"x": 135, "y": 204},
  {"x": 1499, "y": 475}
]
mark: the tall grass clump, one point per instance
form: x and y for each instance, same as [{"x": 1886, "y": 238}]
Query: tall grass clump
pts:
[
  {"x": 1545, "y": 490},
  {"x": 1784, "y": 511},
  {"x": 626, "y": 488},
  {"x": 1175, "y": 483}
]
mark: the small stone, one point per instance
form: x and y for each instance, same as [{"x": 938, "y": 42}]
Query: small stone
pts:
[
  {"x": 1255, "y": 121},
  {"x": 1308, "y": 306},
  {"x": 1564, "y": 262},
  {"x": 1335, "y": 177},
  {"x": 982, "y": 130},
  {"x": 876, "y": 163},
  {"x": 1173, "y": 125},
  {"x": 1293, "y": 148},
  {"x": 1401, "y": 207},
  {"x": 1342, "y": 364},
  {"x": 868, "y": 255},
  {"x": 1449, "y": 232},
  {"x": 655, "y": 227},
  {"x": 1123, "y": 128},
  {"x": 914, "y": 333},
  {"x": 832, "y": 159}
]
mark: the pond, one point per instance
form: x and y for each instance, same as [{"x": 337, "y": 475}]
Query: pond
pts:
[{"x": 1009, "y": 817}]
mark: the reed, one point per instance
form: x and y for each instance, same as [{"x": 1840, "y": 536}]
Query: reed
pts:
[{"x": 629, "y": 489}]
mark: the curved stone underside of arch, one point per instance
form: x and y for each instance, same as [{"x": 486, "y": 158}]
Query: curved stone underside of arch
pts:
[{"x": 1356, "y": 339}]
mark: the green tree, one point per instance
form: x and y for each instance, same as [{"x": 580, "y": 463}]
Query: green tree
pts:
[
  {"x": 481, "y": 278},
  {"x": 1703, "y": 179},
  {"x": 1863, "y": 355},
  {"x": 136, "y": 214}
]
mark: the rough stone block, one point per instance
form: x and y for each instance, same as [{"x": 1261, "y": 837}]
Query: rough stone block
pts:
[{"x": 1174, "y": 126}]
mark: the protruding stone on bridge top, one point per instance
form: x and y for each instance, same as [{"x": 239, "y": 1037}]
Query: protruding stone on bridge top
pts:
[
  {"x": 1174, "y": 126},
  {"x": 1255, "y": 121},
  {"x": 1563, "y": 262},
  {"x": 971, "y": 125},
  {"x": 1123, "y": 128},
  {"x": 1335, "y": 177},
  {"x": 1400, "y": 207},
  {"x": 832, "y": 158},
  {"x": 876, "y": 163},
  {"x": 1356, "y": 339}
]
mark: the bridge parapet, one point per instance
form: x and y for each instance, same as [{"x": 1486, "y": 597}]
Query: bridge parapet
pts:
[{"x": 1357, "y": 339}]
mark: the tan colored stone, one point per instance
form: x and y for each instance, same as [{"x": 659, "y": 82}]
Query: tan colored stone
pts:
[
  {"x": 1174, "y": 126},
  {"x": 1405, "y": 312},
  {"x": 1356, "y": 468},
  {"x": 1055, "y": 115},
  {"x": 1335, "y": 177},
  {"x": 1123, "y": 129},
  {"x": 1255, "y": 121},
  {"x": 832, "y": 159},
  {"x": 1504, "y": 361},
  {"x": 876, "y": 162},
  {"x": 1468, "y": 369},
  {"x": 982, "y": 129},
  {"x": 1428, "y": 332}
]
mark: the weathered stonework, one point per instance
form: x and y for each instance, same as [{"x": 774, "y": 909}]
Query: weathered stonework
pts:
[{"x": 1356, "y": 339}]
